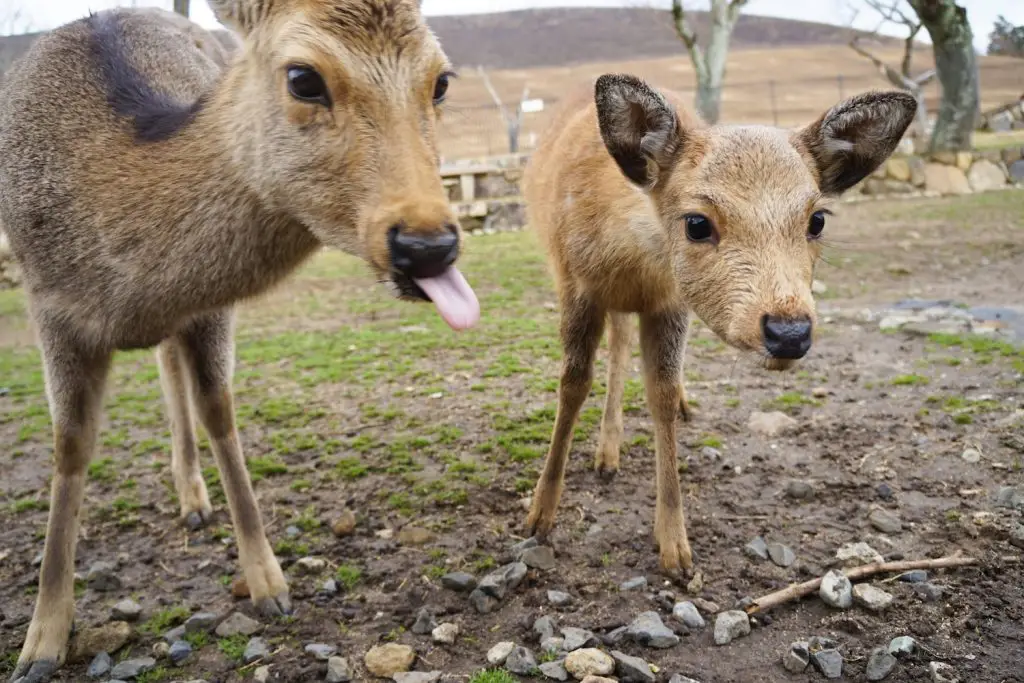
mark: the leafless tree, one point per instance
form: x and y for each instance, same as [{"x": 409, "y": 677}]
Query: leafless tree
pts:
[
  {"x": 181, "y": 7},
  {"x": 14, "y": 20},
  {"x": 893, "y": 11},
  {"x": 513, "y": 120},
  {"x": 709, "y": 62}
]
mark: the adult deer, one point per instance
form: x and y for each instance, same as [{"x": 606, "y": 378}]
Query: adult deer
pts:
[
  {"x": 145, "y": 190},
  {"x": 645, "y": 211}
]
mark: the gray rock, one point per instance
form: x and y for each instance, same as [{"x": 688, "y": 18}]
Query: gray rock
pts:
[
  {"x": 237, "y": 623},
  {"x": 616, "y": 637},
  {"x": 781, "y": 555},
  {"x": 648, "y": 630},
  {"x": 902, "y": 646},
  {"x": 460, "y": 582},
  {"x": 1010, "y": 497},
  {"x": 126, "y": 610},
  {"x": 552, "y": 645},
  {"x": 828, "y": 662},
  {"x": 292, "y": 531},
  {"x": 771, "y": 424},
  {"x": 338, "y": 670},
  {"x": 497, "y": 655},
  {"x": 498, "y": 583},
  {"x": 576, "y": 638},
  {"x": 200, "y": 621},
  {"x": 425, "y": 622},
  {"x": 914, "y": 576},
  {"x": 885, "y": 521},
  {"x": 310, "y": 565},
  {"x": 179, "y": 652},
  {"x": 631, "y": 669},
  {"x": 131, "y": 668},
  {"x": 329, "y": 587},
  {"x": 99, "y": 666},
  {"x": 321, "y": 651},
  {"x": 856, "y": 554},
  {"x": 519, "y": 548},
  {"x": 799, "y": 490},
  {"x": 160, "y": 650},
  {"x": 554, "y": 670},
  {"x": 417, "y": 677},
  {"x": 175, "y": 634},
  {"x": 815, "y": 643},
  {"x": 731, "y": 625},
  {"x": 797, "y": 657},
  {"x": 559, "y": 598},
  {"x": 880, "y": 664},
  {"x": 637, "y": 583},
  {"x": 971, "y": 456},
  {"x": 261, "y": 674},
  {"x": 836, "y": 590},
  {"x": 1017, "y": 536},
  {"x": 103, "y": 577},
  {"x": 482, "y": 602},
  {"x": 869, "y": 597},
  {"x": 1017, "y": 171},
  {"x": 520, "y": 661},
  {"x": 687, "y": 614},
  {"x": 540, "y": 557},
  {"x": 544, "y": 627},
  {"x": 757, "y": 549},
  {"x": 445, "y": 634},
  {"x": 255, "y": 649},
  {"x": 942, "y": 673},
  {"x": 679, "y": 678},
  {"x": 928, "y": 592},
  {"x": 706, "y": 606},
  {"x": 589, "y": 662}
]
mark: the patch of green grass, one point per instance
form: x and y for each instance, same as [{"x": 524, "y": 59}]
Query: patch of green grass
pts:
[
  {"x": 909, "y": 380},
  {"x": 265, "y": 466},
  {"x": 291, "y": 547},
  {"x": 199, "y": 639},
  {"x": 233, "y": 647},
  {"x": 351, "y": 468},
  {"x": 29, "y": 504},
  {"x": 711, "y": 441},
  {"x": 308, "y": 519},
  {"x": 348, "y": 576},
  {"x": 791, "y": 401},
  {"x": 963, "y": 419},
  {"x": 493, "y": 676},
  {"x": 103, "y": 470},
  {"x": 165, "y": 620},
  {"x": 155, "y": 675}
]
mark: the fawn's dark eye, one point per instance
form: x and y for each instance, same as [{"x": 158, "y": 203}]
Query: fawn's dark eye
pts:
[
  {"x": 699, "y": 228},
  {"x": 817, "y": 224},
  {"x": 307, "y": 85},
  {"x": 441, "y": 88}
]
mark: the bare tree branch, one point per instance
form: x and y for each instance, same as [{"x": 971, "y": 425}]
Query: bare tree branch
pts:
[{"x": 685, "y": 32}]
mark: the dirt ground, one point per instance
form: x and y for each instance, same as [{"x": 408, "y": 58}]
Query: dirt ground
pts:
[{"x": 349, "y": 400}]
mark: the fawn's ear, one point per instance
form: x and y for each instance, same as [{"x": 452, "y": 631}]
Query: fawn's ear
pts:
[
  {"x": 639, "y": 127},
  {"x": 240, "y": 15},
  {"x": 855, "y": 137}
]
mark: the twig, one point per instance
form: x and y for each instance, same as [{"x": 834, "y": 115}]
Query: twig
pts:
[
  {"x": 259, "y": 661},
  {"x": 800, "y": 590},
  {"x": 172, "y": 573}
]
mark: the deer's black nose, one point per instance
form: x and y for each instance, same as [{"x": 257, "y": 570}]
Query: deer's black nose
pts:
[
  {"x": 786, "y": 337},
  {"x": 420, "y": 255}
]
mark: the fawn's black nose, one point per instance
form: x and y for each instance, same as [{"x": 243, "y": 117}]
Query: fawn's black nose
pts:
[
  {"x": 419, "y": 255},
  {"x": 786, "y": 338}
]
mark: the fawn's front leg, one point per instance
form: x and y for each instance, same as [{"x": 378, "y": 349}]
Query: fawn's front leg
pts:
[
  {"x": 662, "y": 338},
  {"x": 581, "y": 327},
  {"x": 606, "y": 459}
]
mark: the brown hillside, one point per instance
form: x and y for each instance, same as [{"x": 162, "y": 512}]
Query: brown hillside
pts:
[{"x": 528, "y": 39}]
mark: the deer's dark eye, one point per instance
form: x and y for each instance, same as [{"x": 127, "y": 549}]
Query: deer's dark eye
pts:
[
  {"x": 699, "y": 228},
  {"x": 307, "y": 85},
  {"x": 441, "y": 88},
  {"x": 817, "y": 224}
]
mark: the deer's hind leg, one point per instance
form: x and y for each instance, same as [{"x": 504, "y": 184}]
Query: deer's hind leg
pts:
[
  {"x": 188, "y": 479},
  {"x": 75, "y": 379},
  {"x": 606, "y": 460},
  {"x": 208, "y": 355}
]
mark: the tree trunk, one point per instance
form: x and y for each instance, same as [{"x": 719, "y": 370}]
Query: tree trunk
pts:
[
  {"x": 709, "y": 64},
  {"x": 181, "y": 7},
  {"x": 957, "y": 67}
]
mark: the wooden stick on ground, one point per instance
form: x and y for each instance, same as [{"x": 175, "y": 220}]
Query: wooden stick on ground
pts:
[{"x": 800, "y": 590}]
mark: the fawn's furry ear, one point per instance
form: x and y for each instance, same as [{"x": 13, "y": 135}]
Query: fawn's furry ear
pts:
[
  {"x": 855, "y": 137},
  {"x": 639, "y": 127},
  {"x": 240, "y": 15}
]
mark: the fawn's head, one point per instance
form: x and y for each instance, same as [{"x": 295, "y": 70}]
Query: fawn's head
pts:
[
  {"x": 745, "y": 207},
  {"x": 336, "y": 110}
]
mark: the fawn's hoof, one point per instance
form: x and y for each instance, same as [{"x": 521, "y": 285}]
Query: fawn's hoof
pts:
[
  {"x": 197, "y": 519},
  {"x": 606, "y": 473},
  {"x": 39, "y": 671},
  {"x": 277, "y": 606}
]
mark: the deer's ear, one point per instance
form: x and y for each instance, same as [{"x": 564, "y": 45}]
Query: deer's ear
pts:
[
  {"x": 854, "y": 137},
  {"x": 240, "y": 15},
  {"x": 639, "y": 127}
]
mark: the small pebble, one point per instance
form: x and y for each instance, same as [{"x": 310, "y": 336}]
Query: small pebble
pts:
[
  {"x": 576, "y": 638},
  {"x": 496, "y": 655},
  {"x": 255, "y": 649},
  {"x": 730, "y": 626},
  {"x": 884, "y": 491},
  {"x": 634, "y": 584},
  {"x": 321, "y": 651},
  {"x": 648, "y": 630},
  {"x": 445, "y": 634},
  {"x": 902, "y": 646},
  {"x": 942, "y": 673},
  {"x": 781, "y": 555},
  {"x": 836, "y": 590},
  {"x": 797, "y": 658},
  {"x": 928, "y": 592},
  {"x": 828, "y": 662},
  {"x": 559, "y": 598},
  {"x": 631, "y": 669},
  {"x": 160, "y": 649},
  {"x": 200, "y": 621},
  {"x": 553, "y": 645},
  {"x": 706, "y": 606},
  {"x": 99, "y": 666},
  {"x": 179, "y": 652},
  {"x": 425, "y": 622},
  {"x": 554, "y": 670},
  {"x": 880, "y": 664},
  {"x": 855, "y": 554},
  {"x": 971, "y": 455},
  {"x": 541, "y": 557},
  {"x": 237, "y": 623},
  {"x": 544, "y": 627},
  {"x": 885, "y": 521},
  {"x": 686, "y": 613},
  {"x": 417, "y": 677},
  {"x": 914, "y": 576},
  {"x": 338, "y": 670},
  {"x": 292, "y": 531},
  {"x": 757, "y": 549},
  {"x": 261, "y": 674},
  {"x": 520, "y": 661},
  {"x": 460, "y": 582},
  {"x": 589, "y": 662},
  {"x": 132, "y": 668},
  {"x": 388, "y": 659},
  {"x": 126, "y": 610},
  {"x": 330, "y": 587},
  {"x": 799, "y": 490},
  {"x": 345, "y": 524},
  {"x": 871, "y": 598},
  {"x": 310, "y": 565},
  {"x": 679, "y": 678},
  {"x": 103, "y": 577}
]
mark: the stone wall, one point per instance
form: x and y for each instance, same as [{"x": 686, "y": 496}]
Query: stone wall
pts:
[{"x": 943, "y": 174}]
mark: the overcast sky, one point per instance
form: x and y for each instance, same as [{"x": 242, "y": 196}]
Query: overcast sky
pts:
[{"x": 49, "y": 13}]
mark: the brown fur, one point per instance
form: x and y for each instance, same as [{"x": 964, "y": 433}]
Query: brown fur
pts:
[
  {"x": 150, "y": 178},
  {"x": 607, "y": 190}
]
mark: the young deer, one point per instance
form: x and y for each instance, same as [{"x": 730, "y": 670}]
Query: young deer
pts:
[
  {"x": 642, "y": 210},
  {"x": 145, "y": 190}
]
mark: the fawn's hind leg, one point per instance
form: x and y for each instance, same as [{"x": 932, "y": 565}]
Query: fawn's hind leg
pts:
[
  {"x": 606, "y": 460},
  {"x": 208, "y": 354},
  {"x": 581, "y": 327},
  {"x": 75, "y": 380},
  {"x": 188, "y": 479}
]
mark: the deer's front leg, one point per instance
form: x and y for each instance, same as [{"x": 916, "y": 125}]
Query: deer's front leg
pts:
[{"x": 662, "y": 339}]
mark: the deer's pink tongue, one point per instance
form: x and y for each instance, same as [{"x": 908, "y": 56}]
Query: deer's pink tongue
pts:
[{"x": 454, "y": 298}]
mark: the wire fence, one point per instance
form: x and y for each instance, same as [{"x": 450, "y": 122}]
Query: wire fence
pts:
[{"x": 479, "y": 130}]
